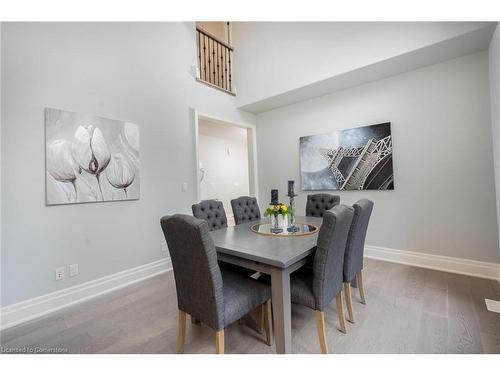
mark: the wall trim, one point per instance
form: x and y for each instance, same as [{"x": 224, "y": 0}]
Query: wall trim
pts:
[
  {"x": 461, "y": 266},
  {"x": 24, "y": 311}
]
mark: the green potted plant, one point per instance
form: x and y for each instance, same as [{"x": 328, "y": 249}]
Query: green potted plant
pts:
[{"x": 278, "y": 214}]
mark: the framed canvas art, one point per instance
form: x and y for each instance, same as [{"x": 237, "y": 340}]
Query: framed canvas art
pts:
[
  {"x": 89, "y": 158},
  {"x": 350, "y": 159}
]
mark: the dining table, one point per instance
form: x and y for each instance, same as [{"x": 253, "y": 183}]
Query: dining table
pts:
[{"x": 277, "y": 255}]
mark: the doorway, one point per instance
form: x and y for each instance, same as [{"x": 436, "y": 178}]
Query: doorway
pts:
[{"x": 225, "y": 161}]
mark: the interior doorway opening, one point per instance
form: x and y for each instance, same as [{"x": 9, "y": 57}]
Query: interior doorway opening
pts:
[{"x": 225, "y": 157}]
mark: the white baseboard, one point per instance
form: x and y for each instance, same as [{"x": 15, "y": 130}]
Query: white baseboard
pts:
[
  {"x": 33, "y": 308},
  {"x": 492, "y": 305},
  {"x": 436, "y": 262},
  {"x": 24, "y": 311}
]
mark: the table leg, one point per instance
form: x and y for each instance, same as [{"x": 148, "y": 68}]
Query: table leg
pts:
[{"x": 282, "y": 310}]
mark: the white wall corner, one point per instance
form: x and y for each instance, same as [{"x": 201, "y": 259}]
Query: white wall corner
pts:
[
  {"x": 24, "y": 311},
  {"x": 461, "y": 266},
  {"x": 494, "y": 75}
]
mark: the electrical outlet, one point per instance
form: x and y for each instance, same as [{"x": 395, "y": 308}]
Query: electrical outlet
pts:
[
  {"x": 184, "y": 186},
  {"x": 59, "y": 273},
  {"x": 73, "y": 270}
]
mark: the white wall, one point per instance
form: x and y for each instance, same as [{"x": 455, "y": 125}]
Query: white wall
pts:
[
  {"x": 138, "y": 72},
  {"x": 226, "y": 172},
  {"x": 274, "y": 57},
  {"x": 1, "y": 211},
  {"x": 443, "y": 163},
  {"x": 494, "y": 55}
]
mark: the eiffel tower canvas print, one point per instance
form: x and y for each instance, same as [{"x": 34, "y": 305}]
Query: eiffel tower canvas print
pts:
[{"x": 350, "y": 159}]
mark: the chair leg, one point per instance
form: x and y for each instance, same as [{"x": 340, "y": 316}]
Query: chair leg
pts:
[
  {"x": 359, "y": 279},
  {"x": 268, "y": 322},
  {"x": 320, "y": 326},
  {"x": 340, "y": 311},
  {"x": 254, "y": 319},
  {"x": 261, "y": 318},
  {"x": 219, "y": 342},
  {"x": 181, "y": 338},
  {"x": 348, "y": 301}
]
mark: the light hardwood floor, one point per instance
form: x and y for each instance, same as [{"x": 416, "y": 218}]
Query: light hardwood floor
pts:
[{"x": 408, "y": 310}]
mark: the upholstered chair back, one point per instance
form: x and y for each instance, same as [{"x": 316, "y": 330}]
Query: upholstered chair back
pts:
[
  {"x": 353, "y": 262},
  {"x": 212, "y": 211},
  {"x": 317, "y": 204},
  {"x": 329, "y": 257},
  {"x": 197, "y": 275},
  {"x": 245, "y": 209}
]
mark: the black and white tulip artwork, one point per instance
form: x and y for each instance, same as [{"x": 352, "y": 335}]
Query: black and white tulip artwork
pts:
[{"x": 90, "y": 159}]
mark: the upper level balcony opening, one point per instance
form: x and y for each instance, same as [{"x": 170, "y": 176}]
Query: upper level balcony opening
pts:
[{"x": 215, "y": 55}]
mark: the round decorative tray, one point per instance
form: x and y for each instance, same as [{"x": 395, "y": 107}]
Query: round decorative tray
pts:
[{"x": 266, "y": 229}]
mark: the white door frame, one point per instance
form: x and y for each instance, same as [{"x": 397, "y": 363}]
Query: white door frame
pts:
[{"x": 252, "y": 150}]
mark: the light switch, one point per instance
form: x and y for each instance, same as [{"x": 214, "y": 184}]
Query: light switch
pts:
[{"x": 73, "y": 270}]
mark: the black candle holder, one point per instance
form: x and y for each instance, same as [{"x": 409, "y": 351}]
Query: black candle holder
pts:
[{"x": 274, "y": 197}]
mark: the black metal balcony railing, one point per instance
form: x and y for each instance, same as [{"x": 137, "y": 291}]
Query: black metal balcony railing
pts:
[{"x": 214, "y": 61}]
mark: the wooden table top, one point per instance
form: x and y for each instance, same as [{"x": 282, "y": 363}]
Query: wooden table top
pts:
[{"x": 277, "y": 251}]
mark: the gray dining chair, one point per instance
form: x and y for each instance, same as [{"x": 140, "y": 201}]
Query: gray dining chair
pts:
[
  {"x": 215, "y": 297},
  {"x": 212, "y": 211},
  {"x": 317, "y": 204},
  {"x": 353, "y": 260},
  {"x": 245, "y": 209},
  {"x": 317, "y": 288}
]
